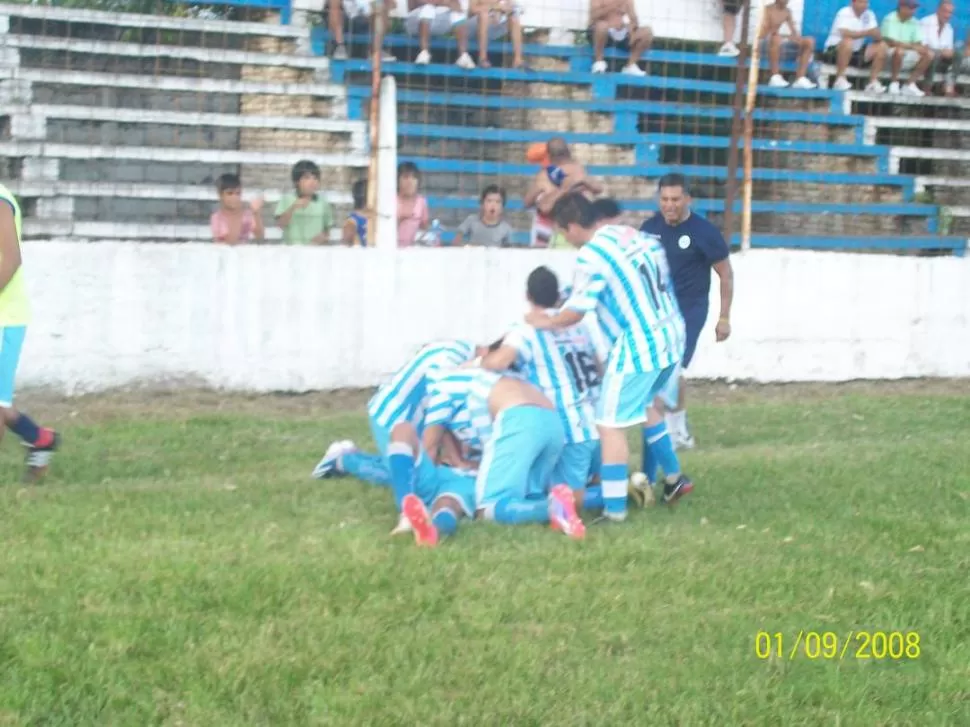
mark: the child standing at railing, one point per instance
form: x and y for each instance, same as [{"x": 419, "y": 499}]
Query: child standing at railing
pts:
[
  {"x": 235, "y": 222},
  {"x": 412, "y": 208},
  {"x": 487, "y": 228},
  {"x": 355, "y": 226}
]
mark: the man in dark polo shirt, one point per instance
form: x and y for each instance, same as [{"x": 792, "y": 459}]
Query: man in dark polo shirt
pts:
[{"x": 693, "y": 246}]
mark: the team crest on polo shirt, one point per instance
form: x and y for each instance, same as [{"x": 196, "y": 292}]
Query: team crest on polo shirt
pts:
[{"x": 684, "y": 242}]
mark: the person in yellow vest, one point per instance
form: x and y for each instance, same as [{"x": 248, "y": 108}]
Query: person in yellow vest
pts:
[{"x": 41, "y": 442}]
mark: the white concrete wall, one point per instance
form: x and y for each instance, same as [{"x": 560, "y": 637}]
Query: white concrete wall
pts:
[{"x": 274, "y": 318}]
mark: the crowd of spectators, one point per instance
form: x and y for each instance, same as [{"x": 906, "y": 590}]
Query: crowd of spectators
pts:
[{"x": 923, "y": 48}]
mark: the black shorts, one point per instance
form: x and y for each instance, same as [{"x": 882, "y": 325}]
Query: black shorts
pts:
[
  {"x": 733, "y": 7},
  {"x": 856, "y": 60}
]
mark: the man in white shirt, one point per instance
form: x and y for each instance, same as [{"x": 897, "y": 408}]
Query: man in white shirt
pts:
[
  {"x": 855, "y": 38},
  {"x": 938, "y": 37}
]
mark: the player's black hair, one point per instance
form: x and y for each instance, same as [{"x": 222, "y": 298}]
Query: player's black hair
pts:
[
  {"x": 606, "y": 208},
  {"x": 408, "y": 168},
  {"x": 302, "y": 168},
  {"x": 226, "y": 182},
  {"x": 542, "y": 287},
  {"x": 359, "y": 193},
  {"x": 674, "y": 180},
  {"x": 573, "y": 209},
  {"x": 496, "y": 344},
  {"x": 493, "y": 189}
]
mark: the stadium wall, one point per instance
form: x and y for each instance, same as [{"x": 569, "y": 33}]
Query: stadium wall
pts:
[{"x": 292, "y": 319}]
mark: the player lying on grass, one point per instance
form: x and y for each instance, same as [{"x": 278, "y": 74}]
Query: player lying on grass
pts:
[
  {"x": 521, "y": 438},
  {"x": 399, "y": 400},
  {"x": 622, "y": 275},
  {"x": 563, "y": 365}
]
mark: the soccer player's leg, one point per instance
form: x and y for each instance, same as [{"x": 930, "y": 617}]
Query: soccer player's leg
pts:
[
  {"x": 623, "y": 404},
  {"x": 41, "y": 442},
  {"x": 658, "y": 440},
  {"x": 546, "y": 470},
  {"x": 454, "y": 499},
  {"x": 575, "y": 466},
  {"x": 344, "y": 458},
  {"x": 673, "y": 393}
]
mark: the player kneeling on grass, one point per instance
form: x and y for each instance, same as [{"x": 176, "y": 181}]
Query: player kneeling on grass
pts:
[
  {"x": 522, "y": 440},
  {"x": 14, "y": 317},
  {"x": 622, "y": 276}
]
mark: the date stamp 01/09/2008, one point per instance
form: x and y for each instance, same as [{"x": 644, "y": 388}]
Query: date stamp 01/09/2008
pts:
[{"x": 833, "y": 646}]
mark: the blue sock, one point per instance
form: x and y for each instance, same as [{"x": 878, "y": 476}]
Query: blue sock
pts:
[
  {"x": 367, "y": 467},
  {"x": 25, "y": 428},
  {"x": 401, "y": 458},
  {"x": 446, "y": 522},
  {"x": 513, "y": 511},
  {"x": 650, "y": 464},
  {"x": 593, "y": 498},
  {"x": 662, "y": 448},
  {"x": 615, "y": 478}
]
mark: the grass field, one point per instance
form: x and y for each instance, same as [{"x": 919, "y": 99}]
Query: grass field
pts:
[{"x": 180, "y": 568}]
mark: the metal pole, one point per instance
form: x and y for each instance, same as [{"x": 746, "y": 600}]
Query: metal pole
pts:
[
  {"x": 732, "y": 170},
  {"x": 749, "y": 133},
  {"x": 377, "y": 43}
]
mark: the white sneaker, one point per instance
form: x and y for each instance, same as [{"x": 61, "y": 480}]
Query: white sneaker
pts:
[
  {"x": 465, "y": 61},
  {"x": 632, "y": 69},
  {"x": 388, "y": 57},
  {"x": 804, "y": 84},
  {"x": 778, "y": 82},
  {"x": 911, "y": 89},
  {"x": 729, "y": 50},
  {"x": 875, "y": 87},
  {"x": 598, "y": 67},
  {"x": 894, "y": 87},
  {"x": 423, "y": 59},
  {"x": 841, "y": 84},
  {"x": 329, "y": 465},
  {"x": 340, "y": 53}
]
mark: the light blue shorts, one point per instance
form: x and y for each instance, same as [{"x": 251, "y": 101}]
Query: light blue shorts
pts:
[
  {"x": 596, "y": 466},
  {"x": 575, "y": 464},
  {"x": 433, "y": 482},
  {"x": 519, "y": 458},
  {"x": 11, "y": 343},
  {"x": 627, "y": 396}
]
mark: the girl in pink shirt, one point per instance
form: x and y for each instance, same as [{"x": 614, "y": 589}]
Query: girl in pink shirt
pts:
[
  {"x": 234, "y": 222},
  {"x": 412, "y": 208}
]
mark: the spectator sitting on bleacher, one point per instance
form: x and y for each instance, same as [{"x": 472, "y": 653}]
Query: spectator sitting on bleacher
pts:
[
  {"x": 234, "y": 222},
  {"x": 904, "y": 36},
  {"x": 730, "y": 21},
  {"x": 615, "y": 22},
  {"x": 438, "y": 17},
  {"x": 494, "y": 19},
  {"x": 487, "y": 228},
  {"x": 354, "y": 17},
  {"x": 559, "y": 175},
  {"x": 354, "y": 231},
  {"x": 855, "y": 39},
  {"x": 938, "y": 37},
  {"x": 304, "y": 215},
  {"x": 776, "y": 16}
]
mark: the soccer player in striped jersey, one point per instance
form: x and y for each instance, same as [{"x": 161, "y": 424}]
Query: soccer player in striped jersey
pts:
[
  {"x": 521, "y": 438},
  {"x": 564, "y": 366},
  {"x": 40, "y": 442},
  {"x": 400, "y": 400},
  {"x": 622, "y": 275}
]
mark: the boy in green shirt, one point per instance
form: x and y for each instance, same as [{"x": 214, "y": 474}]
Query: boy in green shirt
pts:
[{"x": 304, "y": 215}]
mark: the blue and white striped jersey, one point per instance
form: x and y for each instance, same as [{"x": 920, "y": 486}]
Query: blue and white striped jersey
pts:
[
  {"x": 562, "y": 364},
  {"x": 458, "y": 400},
  {"x": 402, "y": 398},
  {"x": 622, "y": 275}
]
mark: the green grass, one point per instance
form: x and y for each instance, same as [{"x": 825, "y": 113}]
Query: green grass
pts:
[{"x": 179, "y": 568}]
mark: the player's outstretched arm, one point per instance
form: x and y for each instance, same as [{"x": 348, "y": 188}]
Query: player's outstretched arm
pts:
[
  {"x": 431, "y": 441},
  {"x": 9, "y": 246},
  {"x": 543, "y": 321}
]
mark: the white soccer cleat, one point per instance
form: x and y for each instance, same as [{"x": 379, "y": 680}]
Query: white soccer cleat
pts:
[
  {"x": 403, "y": 526},
  {"x": 598, "y": 67},
  {"x": 842, "y": 84},
  {"x": 465, "y": 61},
  {"x": 328, "y": 466},
  {"x": 875, "y": 87},
  {"x": 729, "y": 50},
  {"x": 423, "y": 59},
  {"x": 804, "y": 84},
  {"x": 911, "y": 89},
  {"x": 632, "y": 69},
  {"x": 777, "y": 81}
]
